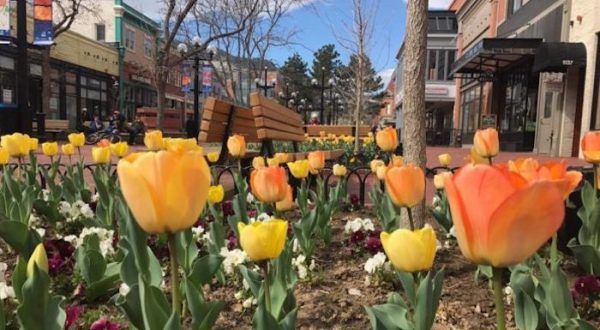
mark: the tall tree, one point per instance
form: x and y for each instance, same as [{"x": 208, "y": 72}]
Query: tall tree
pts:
[
  {"x": 413, "y": 105},
  {"x": 65, "y": 13},
  {"x": 326, "y": 57},
  {"x": 295, "y": 73}
]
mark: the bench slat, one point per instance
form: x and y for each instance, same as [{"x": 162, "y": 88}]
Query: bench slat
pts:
[
  {"x": 271, "y": 124},
  {"x": 264, "y": 133},
  {"x": 288, "y": 116},
  {"x": 212, "y": 105},
  {"x": 221, "y": 119}
]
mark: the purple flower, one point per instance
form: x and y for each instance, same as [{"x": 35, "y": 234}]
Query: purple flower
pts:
[
  {"x": 231, "y": 242},
  {"x": 357, "y": 237},
  {"x": 252, "y": 214},
  {"x": 587, "y": 285},
  {"x": 60, "y": 255},
  {"x": 373, "y": 245},
  {"x": 227, "y": 208},
  {"x": 73, "y": 313},
  {"x": 104, "y": 324},
  {"x": 354, "y": 199}
]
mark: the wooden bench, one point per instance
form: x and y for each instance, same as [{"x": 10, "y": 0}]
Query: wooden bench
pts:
[
  {"x": 221, "y": 119},
  {"x": 338, "y": 130},
  {"x": 275, "y": 122},
  {"x": 55, "y": 127}
]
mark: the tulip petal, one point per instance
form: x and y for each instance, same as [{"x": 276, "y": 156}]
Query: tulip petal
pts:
[
  {"x": 405, "y": 250},
  {"x": 523, "y": 223},
  {"x": 138, "y": 193}
]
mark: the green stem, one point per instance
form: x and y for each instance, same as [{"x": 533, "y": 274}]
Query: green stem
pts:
[
  {"x": 267, "y": 284},
  {"x": 554, "y": 249},
  {"x": 239, "y": 161},
  {"x": 175, "y": 295},
  {"x": 595, "y": 178},
  {"x": 498, "y": 298},
  {"x": 410, "y": 218}
]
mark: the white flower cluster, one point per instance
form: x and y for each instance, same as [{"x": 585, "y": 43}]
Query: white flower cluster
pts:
[
  {"x": 45, "y": 194},
  {"x": 233, "y": 259},
  {"x": 300, "y": 264},
  {"x": 250, "y": 198},
  {"x": 6, "y": 291},
  {"x": 105, "y": 236},
  {"x": 35, "y": 223},
  {"x": 261, "y": 217},
  {"x": 200, "y": 235},
  {"x": 375, "y": 263},
  {"x": 75, "y": 211},
  {"x": 359, "y": 224}
]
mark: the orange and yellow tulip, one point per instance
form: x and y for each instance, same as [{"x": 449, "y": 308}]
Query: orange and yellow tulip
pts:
[
  {"x": 160, "y": 191},
  {"x": 153, "y": 140},
  {"x": 258, "y": 162},
  {"x": 236, "y": 145},
  {"x": 316, "y": 160},
  {"x": 387, "y": 139},
  {"x": 269, "y": 184},
  {"x": 486, "y": 143},
  {"x": 500, "y": 218},
  {"x": 405, "y": 185},
  {"x": 287, "y": 203},
  {"x": 590, "y": 146}
]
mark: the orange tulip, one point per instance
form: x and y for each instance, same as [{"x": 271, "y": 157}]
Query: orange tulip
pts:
[
  {"x": 387, "y": 139},
  {"x": 405, "y": 185},
  {"x": 236, "y": 145},
  {"x": 316, "y": 160},
  {"x": 486, "y": 143},
  {"x": 269, "y": 184},
  {"x": 500, "y": 218},
  {"x": 287, "y": 203},
  {"x": 532, "y": 171},
  {"x": 590, "y": 145}
]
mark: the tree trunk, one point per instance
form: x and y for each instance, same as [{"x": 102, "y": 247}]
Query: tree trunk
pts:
[
  {"x": 46, "y": 80},
  {"x": 359, "y": 101},
  {"x": 161, "y": 87},
  {"x": 413, "y": 105}
]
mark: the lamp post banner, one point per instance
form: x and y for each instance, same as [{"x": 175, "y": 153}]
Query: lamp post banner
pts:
[
  {"x": 4, "y": 20},
  {"x": 207, "y": 76},
  {"x": 186, "y": 79},
  {"x": 43, "y": 33}
]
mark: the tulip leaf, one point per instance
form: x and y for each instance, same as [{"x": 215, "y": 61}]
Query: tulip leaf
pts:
[
  {"x": 132, "y": 306},
  {"x": 389, "y": 317},
  {"x": 172, "y": 322},
  {"x": 19, "y": 237},
  {"x": 408, "y": 283},
  {"x": 39, "y": 310},
  {"x": 205, "y": 268},
  {"x": 526, "y": 314},
  {"x": 289, "y": 321},
  {"x": 253, "y": 279},
  {"x": 19, "y": 277},
  {"x": 155, "y": 307},
  {"x": 2, "y": 316},
  {"x": 186, "y": 249},
  {"x": 204, "y": 314},
  {"x": 109, "y": 280},
  {"x": 424, "y": 307},
  {"x": 49, "y": 209},
  {"x": 587, "y": 257},
  {"x": 263, "y": 320}
]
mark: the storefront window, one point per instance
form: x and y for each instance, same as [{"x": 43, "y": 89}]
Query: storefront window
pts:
[
  {"x": 470, "y": 109},
  {"x": 7, "y": 81},
  {"x": 439, "y": 62},
  {"x": 516, "y": 115}
]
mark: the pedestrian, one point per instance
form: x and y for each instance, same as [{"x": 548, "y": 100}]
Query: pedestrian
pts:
[
  {"x": 191, "y": 127},
  {"x": 137, "y": 128}
]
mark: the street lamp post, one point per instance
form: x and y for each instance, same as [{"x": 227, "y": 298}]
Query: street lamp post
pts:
[
  {"x": 334, "y": 99},
  {"x": 263, "y": 84},
  {"x": 207, "y": 56},
  {"x": 322, "y": 87},
  {"x": 288, "y": 98}
]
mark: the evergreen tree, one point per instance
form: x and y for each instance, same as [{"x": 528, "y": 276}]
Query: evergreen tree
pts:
[
  {"x": 325, "y": 57},
  {"x": 295, "y": 73}
]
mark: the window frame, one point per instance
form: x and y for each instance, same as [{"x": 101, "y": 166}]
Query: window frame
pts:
[
  {"x": 98, "y": 25},
  {"x": 129, "y": 42}
]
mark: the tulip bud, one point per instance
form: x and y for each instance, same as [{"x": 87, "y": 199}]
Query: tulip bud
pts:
[
  {"x": 445, "y": 159},
  {"x": 273, "y": 161},
  {"x": 375, "y": 163},
  {"x": 76, "y": 139},
  {"x": 299, "y": 168},
  {"x": 236, "y": 145},
  {"x": 339, "y": 170},
  {"x": 387, "y": 139},
  {"x": 590, "y": 146},
  {"x": 405, "y": 185},
  {"x": 269, "y": 184},
  {"x": 263, "y": 240},
  {"x": 68, "y": 149},
  {"x": 282, "y": 157},
  {"x": 381, "y": 170},
  {"x": 33, "y": 144},
  {"x": 212, "y": 156},
  {"x": 216, "y": 194},
  {"x": 258, "y": 162},
  {"x": 101, "y": 155},
  {"x": 104, "y": 143},
  {"x": 486, "y": 143},
  {"x": 38, "y": 258},
  {"x": 410, "y": 251},
  {"x": 396, "y": 161},
  {"x": 50, "y": 149},
  {"x": 316, "y": 160},
  {"x": 287, "y": 203},
  {"x": 119, "y": 149},
  {"x": 4, "y": 156},
  {"x": 16, "y": 144},
  {"x": 153, "y": 140},
  {"x": 438, "y": 179}
]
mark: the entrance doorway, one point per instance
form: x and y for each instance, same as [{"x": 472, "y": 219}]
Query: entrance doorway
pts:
[{"x": 550, "y": 109}]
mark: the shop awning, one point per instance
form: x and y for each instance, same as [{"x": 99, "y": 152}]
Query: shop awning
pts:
[
  {"x": 494, "y": 54},
  {"x": 558, "y": 56}
]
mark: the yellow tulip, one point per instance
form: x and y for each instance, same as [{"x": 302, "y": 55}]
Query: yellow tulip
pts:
[
  {"x": 272, "y": 162},
  {"x": 160, "y": 190},
  {"x": 486, "y": 143},
  {"x": 101, "y": 155},
  {"x": 236, "y": 145},
  {"x": 4, "y": 156},
  {"x": 339, "y": 170},
  {"x": 212, "y": 156},
  {"x": 263, "y": 240},
  {"x": 216, "y": 194},
  {"x": 475, "y": 158},
  {"x": 387, "y": 139},
  {"x": 119, "y": 149},
  {"x": 405, "y": 185},
  {"x": 68, "y": 149},
  {"x": 269, "y": 184},
  {"x": 50, "y": 149},
  {"x": 258, "y": 162},
  {"x": 287, "y": 203},
  {"x": 440, "y": 178},
  {"x": 375, "y": 163},
  {"x": 316, "y": 160},
  {"x": 282, "y": 156},
  {"x": 410, "y": 251},
  {"x": 179, "y": 144},
  {"x": 16, "y": 144},
  {"x": 299, "y": 168},
  {"x": 38, "y": 258},
  {"x": 33, "y": 144},
  {"x": 153, "y": 140},
  {"x": 77, "y": 139},
  {"x": 445, "y": 159},
  {"x": 381, "y": 170}
]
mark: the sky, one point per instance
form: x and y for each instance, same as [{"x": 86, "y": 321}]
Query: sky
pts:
[{"x": 323, "y": 22}]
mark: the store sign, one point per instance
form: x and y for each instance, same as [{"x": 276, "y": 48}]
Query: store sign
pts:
[
  {"x": 436, "y": 90},
  {"x": 43, "y": 33},
  {"x": 488, "y": 120},
  {"x": 7, "y": 95},
  {"x": 136, "y": 77},
  {"x": 4, "y": 20}
]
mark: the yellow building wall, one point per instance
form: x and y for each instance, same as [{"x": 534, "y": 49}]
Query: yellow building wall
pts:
[{"x": 76, "y": 49}]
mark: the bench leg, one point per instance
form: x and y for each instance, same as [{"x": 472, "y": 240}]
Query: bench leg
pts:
[{"x": 267, "y": 148}]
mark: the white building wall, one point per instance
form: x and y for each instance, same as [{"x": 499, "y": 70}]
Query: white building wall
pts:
[{"x": 85, "y": 24}]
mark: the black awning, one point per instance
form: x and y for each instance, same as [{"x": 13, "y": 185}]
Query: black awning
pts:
[
  {"x": 558, "y": 56},
  {"x": 493, "y": 54}
]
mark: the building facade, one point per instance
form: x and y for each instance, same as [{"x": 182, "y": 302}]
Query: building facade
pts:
[{"x": 440, "y": 88}]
